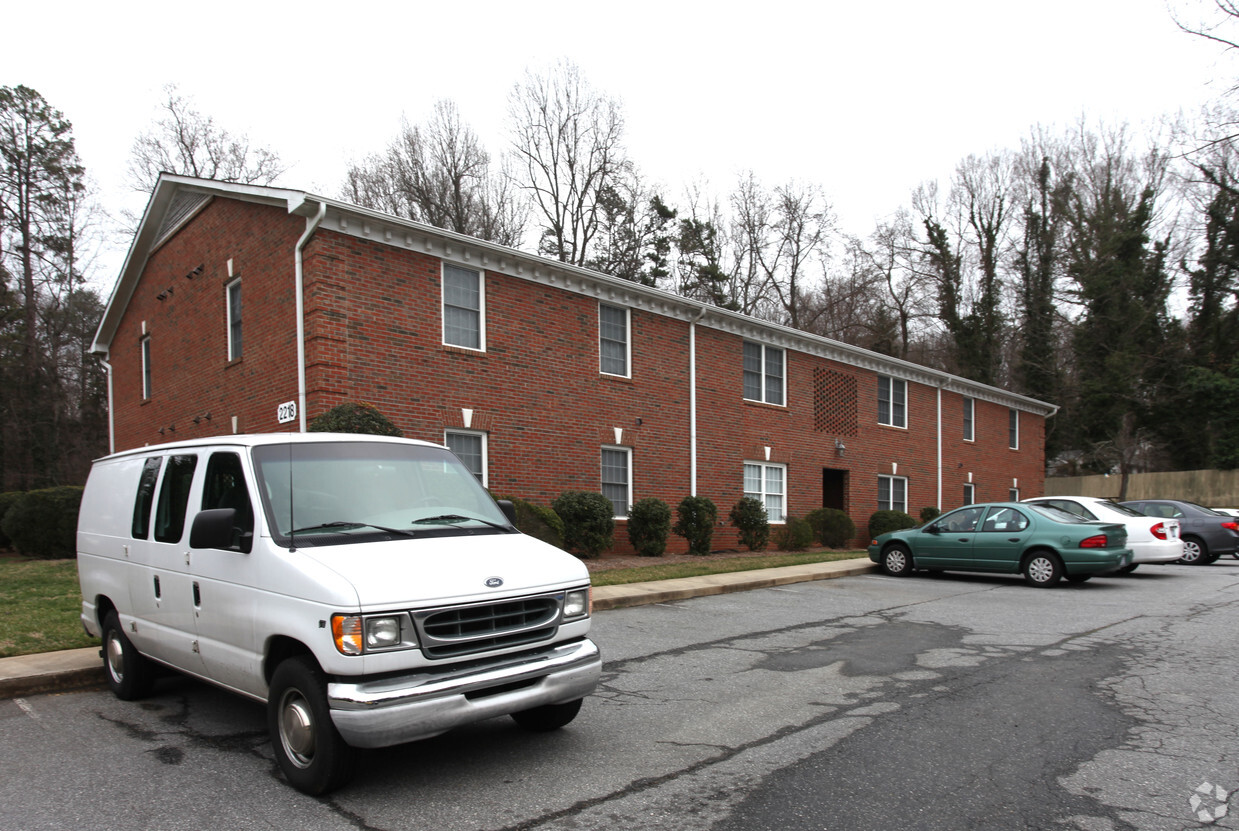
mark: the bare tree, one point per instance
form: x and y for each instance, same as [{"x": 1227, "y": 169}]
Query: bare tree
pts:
[
  {"x": 567, "y": 146},
  {"x": 440, "y": 174},
  {"x": 187, "y": 142}
]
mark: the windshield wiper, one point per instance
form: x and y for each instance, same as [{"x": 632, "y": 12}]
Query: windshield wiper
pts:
[
  {"x": 448, "y": 519},
  {"x": 342, "y": 524}
]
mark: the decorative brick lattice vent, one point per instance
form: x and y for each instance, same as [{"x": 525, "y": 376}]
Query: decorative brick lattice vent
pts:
[{"x": 834, "y": 402}]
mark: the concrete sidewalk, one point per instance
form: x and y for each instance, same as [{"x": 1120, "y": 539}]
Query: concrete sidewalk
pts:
[{"x": 76, "y": 669}]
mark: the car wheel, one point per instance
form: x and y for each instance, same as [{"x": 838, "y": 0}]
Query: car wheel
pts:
[
  {"x": 548, "y": 717},
  {"x": 308, "y": 748},
  {"x": 1079, "y": 578},
  {"x": 897, "y": 560},
  {"x": 129, "y": 674},
  {"x": 1129, "y": 569},
  {"x": 1195, "y": 552},
  {"x": 1043, "y": 569}
]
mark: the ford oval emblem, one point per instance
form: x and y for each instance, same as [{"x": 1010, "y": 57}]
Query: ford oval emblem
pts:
[{"x": 494, "y": 582}]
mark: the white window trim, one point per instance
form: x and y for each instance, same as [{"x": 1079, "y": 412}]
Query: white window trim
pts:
[
  {"x": 481, "y": 347},
  {"x": 144, "y": 348},
  {"x": 627, "y": 341},
  {"x": 893, "y": 381},
  {"x": 764, "y": 466},
  {"x": 970, "y": 423},
  {"x": 228, "y": 315},
  {"x": 782, "y": 380},
  {"x": 890, "y": 506},
  {"x": 627, "y": 451},
  {"x": 1013, "y": 437},
  {"x": 485, "y": 449},
  {"x": 1013, "y": 494}
]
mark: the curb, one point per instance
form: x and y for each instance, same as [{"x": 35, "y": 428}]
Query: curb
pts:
[{"x": 77, "y": 669}]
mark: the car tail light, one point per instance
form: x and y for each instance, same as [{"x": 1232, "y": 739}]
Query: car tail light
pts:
[
  {"x": 1098, "y": 541},
  {"x": 1159, "y": 530},
  {"x": 1231, "y": 526}
]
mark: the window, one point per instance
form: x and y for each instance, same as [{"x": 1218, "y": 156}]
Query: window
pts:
[
  {"x": 225, "y": 488},
  {"x": 763, "y": 373},
  {"x": 892, "y": 401},
  {"x": 146, "y": 367},
  {"x": 174, "y": 498},
  {"x": 613, "y": 348},
  {"x": 1005, "y": 520},
  {"x": 146, "y": 497},
  {"x": 463, "y": 308},
  {"x": 893, "y": 493},
  {"x": 617, "y": 479},
  {"x": 970, "y": 494},
  {"x": 765, "y": 483},
  {"x": 969, "y": 406},
  {"x": 1013, "y": 495},
  {"x": 234, "y": 320},
  {"x": 1013, "y": 430},
  {"x": 470, "y": 448}
]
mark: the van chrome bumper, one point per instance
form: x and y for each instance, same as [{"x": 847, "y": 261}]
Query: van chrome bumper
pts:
[{"x": 424, "y": 704}]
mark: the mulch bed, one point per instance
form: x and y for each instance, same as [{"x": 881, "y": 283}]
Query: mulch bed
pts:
[{"x": 609, "y": 561}]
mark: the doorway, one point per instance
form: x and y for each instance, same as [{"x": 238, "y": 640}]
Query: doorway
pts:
[{"x": 835, "y": 489}]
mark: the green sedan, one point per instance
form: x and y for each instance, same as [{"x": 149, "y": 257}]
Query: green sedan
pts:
[{"x": 1040, "y": 542}]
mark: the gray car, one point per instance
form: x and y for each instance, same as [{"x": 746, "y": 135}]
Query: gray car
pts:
[{"x": 1207, "y": 534}]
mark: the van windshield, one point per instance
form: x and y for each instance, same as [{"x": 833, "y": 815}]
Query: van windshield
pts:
[{"x": 335, "y": 492}]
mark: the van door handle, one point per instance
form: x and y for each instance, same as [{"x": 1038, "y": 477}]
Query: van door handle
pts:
[
  {"x": 197, "y": 594},
  {"x": 157, "y": 591}
]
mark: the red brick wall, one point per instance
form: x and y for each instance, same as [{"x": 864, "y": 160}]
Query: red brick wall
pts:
[{"x": 374, "y": 334}]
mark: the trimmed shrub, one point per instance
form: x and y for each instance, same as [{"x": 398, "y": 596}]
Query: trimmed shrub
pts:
[
  {"x": 538, "y": 521},
  {"x": 6, "y": 501},
  {"x": 354, "y": 417},
  {"x": 43, "y": 523},
  {"x": 649, "y": 523},
  {"x": 795, "y": 535},
  {"x": 749, "y": 515},
  {"x": 588, "y": 524},
  {"x": 929, "y": 513},
  {"x": 831, "y": 527},
  {"x": 695, "y": 518},
  {"x": 883, "y": 522}
]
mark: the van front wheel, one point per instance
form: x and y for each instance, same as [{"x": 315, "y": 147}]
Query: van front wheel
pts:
[
  {"x": 129, "y": 674},
  {"x": 308, "y": 748}
]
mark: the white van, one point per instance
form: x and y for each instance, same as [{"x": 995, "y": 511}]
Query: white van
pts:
[{"x": 368, "y": 589}]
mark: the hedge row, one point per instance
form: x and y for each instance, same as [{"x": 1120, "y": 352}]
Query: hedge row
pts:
[{"x": 41, "y": 523}]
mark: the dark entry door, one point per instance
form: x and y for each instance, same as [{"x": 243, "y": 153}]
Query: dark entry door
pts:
[{"x": 834, "y": 489}]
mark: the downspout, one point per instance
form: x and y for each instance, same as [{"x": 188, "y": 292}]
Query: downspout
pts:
[
  {"x": 692, "y": 399},
  {"x": 111, "y": 410},
  {"x": 311, "y": 225},
  {"x": 938, "y": 504}
]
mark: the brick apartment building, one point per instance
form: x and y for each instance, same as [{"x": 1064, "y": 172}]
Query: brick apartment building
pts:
[{"x": 254, "y": 309}]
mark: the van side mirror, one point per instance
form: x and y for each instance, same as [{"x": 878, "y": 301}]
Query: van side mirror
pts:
[
  {"x": 509, "y": 510},
  {"x": 216, "y": 528}
]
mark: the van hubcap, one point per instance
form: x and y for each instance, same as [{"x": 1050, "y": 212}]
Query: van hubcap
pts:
[
  {"x": 116, "y": 658},
  {"x": 297, "y": 729}
]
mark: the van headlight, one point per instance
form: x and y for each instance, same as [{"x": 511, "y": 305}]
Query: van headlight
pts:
[
  {"x": 358, "y": 634},
  {"x": 576, "y": 603}
]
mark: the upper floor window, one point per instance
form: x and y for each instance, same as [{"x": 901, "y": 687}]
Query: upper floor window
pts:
[
  {"x": 969, "y": 410},
  {"x": 892, "y": 401},
  {"x": 464, "y": 308},
  {"x": 1013, "y": 495},
  {"x": 893, "y": 493},
  {"x": 617, "y": 479},
  {"x": 767, "y": 484},
  {"x": 234, "y": 320},
  {"x": 763, "y": 373},
  {"x": 613, "y": 342},
  {"x": 970, "y": 494},
  {"x": 470, "y": 447},
  {"x": 146, "y": 367},
  {"x": 1013, "y": 429}
]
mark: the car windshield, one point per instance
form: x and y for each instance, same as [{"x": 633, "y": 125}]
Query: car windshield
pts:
[
  {"x": 1057, "y": 514},
  {"x": 347, "y": 491}
]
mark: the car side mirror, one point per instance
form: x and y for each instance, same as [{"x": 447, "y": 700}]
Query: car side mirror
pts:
[{"x": 933, "y": 529}]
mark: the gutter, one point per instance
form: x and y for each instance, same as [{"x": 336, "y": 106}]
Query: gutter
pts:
[
  {"x": 111, "y": 408},
  {"x": 692, "y": 399},
  {"x": 311, "y": 225}
]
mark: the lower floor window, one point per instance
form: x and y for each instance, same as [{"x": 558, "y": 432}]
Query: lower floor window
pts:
[
  {"x": 766, "y": 484},
  {"x": 970, "y": 494},
  {"x": 893, "y": 493},
  {"x": 470, "y": 448},
  {"x": 617, "y": 479}
]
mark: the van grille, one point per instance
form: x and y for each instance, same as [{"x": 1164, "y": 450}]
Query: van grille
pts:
[{"x": 464, "y": 630}]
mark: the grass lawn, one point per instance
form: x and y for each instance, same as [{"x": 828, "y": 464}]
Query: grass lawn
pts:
[
  {"x": 40, "y": 604},
  {"x": 40, "y": 600}
]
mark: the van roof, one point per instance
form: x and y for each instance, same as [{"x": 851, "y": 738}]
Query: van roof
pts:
[{"x": 250, "y": 440}]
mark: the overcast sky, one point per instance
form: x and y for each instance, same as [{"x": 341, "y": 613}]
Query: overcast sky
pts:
[{"x": 867, "y": 99}]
